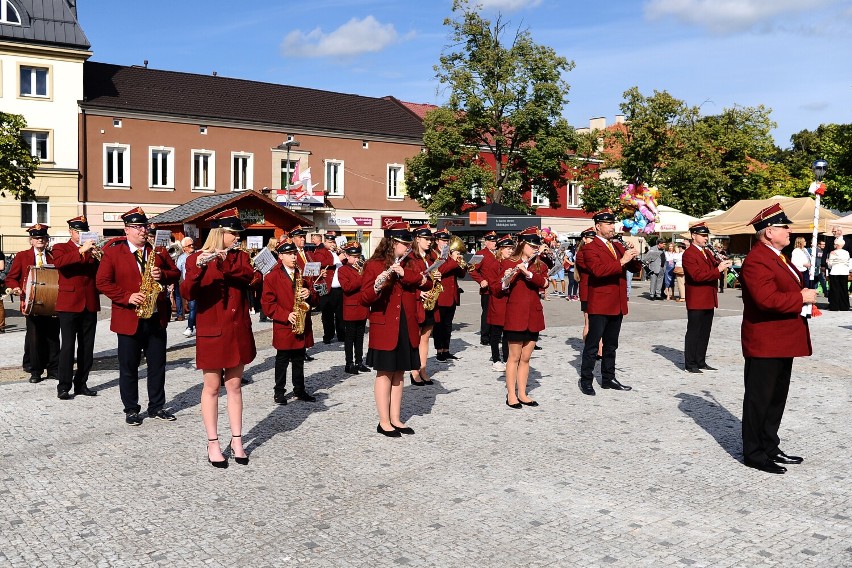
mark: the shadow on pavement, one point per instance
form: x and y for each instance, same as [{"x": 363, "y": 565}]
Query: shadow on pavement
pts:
[
  {"x": 675, "y": 356},
  {"x": 714, "y": 419}
]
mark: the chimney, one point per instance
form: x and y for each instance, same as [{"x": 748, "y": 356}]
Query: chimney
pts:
[
  {"x": 597, "y": 123},
  {"x": 72, "y": 5},
  {"x": 619, "y": 119}
]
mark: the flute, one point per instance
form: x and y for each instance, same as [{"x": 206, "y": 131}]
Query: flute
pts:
[{"x": 382, "y": 280}]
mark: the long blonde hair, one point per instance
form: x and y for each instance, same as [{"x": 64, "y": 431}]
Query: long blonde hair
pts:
[
  {"x": 215, "y": 241},
  {"x": 800, "y": 242}
]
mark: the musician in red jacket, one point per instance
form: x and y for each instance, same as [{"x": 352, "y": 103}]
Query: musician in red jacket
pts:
[
  {"x": 390, "y": 286},
  {"x": 451, "y": 273},
  {"x": 120, "y": 278},
  {"x": 279, "y": 303},
  {"x": 303, "y": 256},
  {"x": 331, "y": 298},
  {"x": 482, "y": 274},
  {"x": 354, "y": 312},
  {"x": 604, "y": 263},
  {"x": 497, "y": 305},
  {"x": 41, "y": 342},
  {"x": 773, "y": 332},
  {"x": 77, "y": 306},
  {"x": 524, "y": 275},
  {"x": 218, "y": 279},
  {"x": 701, "y": 271},
  {"x": 422, "y": 256}
]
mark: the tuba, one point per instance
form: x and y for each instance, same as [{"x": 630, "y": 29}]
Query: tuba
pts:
[
  {"x": 150, "y": 288},
  {"x": 300, "y": 307}
]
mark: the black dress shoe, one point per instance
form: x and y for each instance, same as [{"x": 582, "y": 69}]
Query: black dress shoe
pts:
[
  {"x": 85, "y": 391},
  {"x": 768, "y": 466},
  {"x": 693, "y": 370},
  {"x": 415, "y": 383},
  {"x": 308, "y": 358},
  {"x": 305, "y": 396},
  {"x": 327, "y": 341},
  {"x": 280, "y": 399},
  {"x": 350, "y": 370},
  {"x": 781, "y": 457},
  {"x": 64, "y": 395},
  {"x": 389, "y": 433},
  {"x": 530, "y": 403},
  {"x": 34, "y": 379},
  {"x": 363, "y": 368},
  {"x": 586, "y": 387},
  {"x": 516, "y": 405},
  {"x": 537, "y": 348},
  {"x": 403, "y": 430},
  {"x": 708, "y": 368},
  {"x": 615, "y": 385}
]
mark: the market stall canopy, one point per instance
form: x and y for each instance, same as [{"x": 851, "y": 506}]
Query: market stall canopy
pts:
[
  {"x": 844, "y": 223},
  {"x": 800, "y": 210},
  {"x": 672, "y": 220}
]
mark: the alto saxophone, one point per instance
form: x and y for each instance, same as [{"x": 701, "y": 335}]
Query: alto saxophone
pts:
[
  {"x": 431, "y": 297},
  {"x": 150, "y": 288},
  {"x": 300, "y": 307}
]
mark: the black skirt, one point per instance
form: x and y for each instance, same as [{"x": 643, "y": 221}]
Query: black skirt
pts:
[
  {"x": 521, "y": 336},
  {"x": 429, "y": 321},
  {"x": 403, "y": 358}
]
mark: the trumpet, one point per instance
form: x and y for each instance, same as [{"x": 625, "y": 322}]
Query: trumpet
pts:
[{"x": 382, "y": 280}]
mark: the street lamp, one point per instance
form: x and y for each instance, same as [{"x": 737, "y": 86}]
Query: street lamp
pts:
[
  {"x": 819, "y": 167},
  {"x": 291, "y": 142}
]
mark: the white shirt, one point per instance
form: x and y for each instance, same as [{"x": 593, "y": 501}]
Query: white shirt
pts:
[
  {"x": 677, "y": 257},
  {"x": 800, "y": 257},
  {"x": 335, "y": 282},
  {"x": 838, "y": 262}
]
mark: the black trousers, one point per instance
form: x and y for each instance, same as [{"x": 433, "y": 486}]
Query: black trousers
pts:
[
  {"x": 698, "y": 326},
  {"x": 767, "y": 382},
  {"x": 484, "y": 327},
  {"x": 283, "y": 358},
  {"x": 354, "y": 341},
  {"x": 331, "y": 306},
  {"x": 606, "y": 328},
  {"x": 150, "y": 338},
  {"x": 498, "y": 341},
  {"x": 444, "y": 329},
  {"x": 79, "y": 328},
  {"x": 42, "y": 341},
  {"x": 838, "y": 293}
]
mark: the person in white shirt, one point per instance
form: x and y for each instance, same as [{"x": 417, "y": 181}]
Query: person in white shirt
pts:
[
  {"x": 838, "y": 277},
  {"x": 679, "y": 277},
  {"x": 801, "y": 259}
]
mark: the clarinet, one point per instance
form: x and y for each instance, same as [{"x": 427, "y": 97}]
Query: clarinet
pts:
[{"x": 381, "y": 281}]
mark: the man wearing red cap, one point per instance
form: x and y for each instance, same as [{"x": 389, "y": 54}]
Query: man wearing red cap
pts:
[
  {"x": 773, "y": 332},
  {"x": 78, "y": 305}
]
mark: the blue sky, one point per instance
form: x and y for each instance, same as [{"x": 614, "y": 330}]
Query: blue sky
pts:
[{"x": 794, "y": 56}]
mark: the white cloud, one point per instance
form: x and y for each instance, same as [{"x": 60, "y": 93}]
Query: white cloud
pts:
[
  {"x": 728, "y": 16},
  {"x": 508, "y": 5},
  {"x": 354, "y": 37}
]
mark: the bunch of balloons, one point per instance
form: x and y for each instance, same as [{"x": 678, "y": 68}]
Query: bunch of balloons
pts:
[{"x": 639, "y": 208}]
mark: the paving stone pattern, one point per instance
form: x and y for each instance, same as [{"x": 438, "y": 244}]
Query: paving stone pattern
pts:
[{"x": 651, "y": 477}]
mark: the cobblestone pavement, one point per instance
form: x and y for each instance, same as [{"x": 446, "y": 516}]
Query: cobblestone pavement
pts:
[{"x": 650, "y": 477}]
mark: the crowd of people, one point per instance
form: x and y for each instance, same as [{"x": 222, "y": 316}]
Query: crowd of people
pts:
[{"x": 408, "y": 290}]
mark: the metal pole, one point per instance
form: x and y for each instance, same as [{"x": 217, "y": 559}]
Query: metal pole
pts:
[{"x": 289, "y": 173}]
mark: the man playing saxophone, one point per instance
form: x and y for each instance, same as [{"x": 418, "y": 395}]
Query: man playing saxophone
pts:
[
  {"x": 286, "y": 300},
  {"x": 124, "y": 263}
]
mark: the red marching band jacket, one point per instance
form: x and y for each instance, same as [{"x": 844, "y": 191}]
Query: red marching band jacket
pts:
[
  {"x": 20, "y": 270},
  {"x": 772, "y": 303},
  {"x": 415, "y": 263},
  {"x": 350, "y": 282},
  {"x": 278, "y": 300},
  {"x": 220, "y": 291},
  {"x": 702, "y": 279},
  {"x": 485, "y": 270},
  {"x": 497, "y": 302},
  {"x": 524, "y": 311},
  {"x": 326, "y": 260},
  {"x": 119, "y": 276},
  {"x": 77, "y": 273},
  {"x": 451, "y": 272},
  {"x": 583, "y": 283},
  {"x": 386, "y": 306},
  {"x": 607, "y": 283}
]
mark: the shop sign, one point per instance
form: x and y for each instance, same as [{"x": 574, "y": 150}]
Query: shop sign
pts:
[
  {"x": 112, "y": 217},
  {"x": 349, "y": 221},
  {"x": 252, "y": 216}
]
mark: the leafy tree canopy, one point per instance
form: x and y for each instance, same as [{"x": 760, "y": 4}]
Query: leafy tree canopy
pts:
[{"x": 17, "y": 164}]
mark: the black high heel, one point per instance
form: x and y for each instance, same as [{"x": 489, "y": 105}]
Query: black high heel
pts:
[
  {"x": 218, "y": 464},
  {"x": 415, "y": 383},
  {"x": 530, "y": 403},
  {"x": 516, "y": 405},
  {"x": 239, "y": 460},
  {"x": 389, "y": 433},
  {"x": 403, "y": 430}
]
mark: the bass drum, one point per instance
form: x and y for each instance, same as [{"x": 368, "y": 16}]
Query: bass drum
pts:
[{"x": 41, "y": 292}]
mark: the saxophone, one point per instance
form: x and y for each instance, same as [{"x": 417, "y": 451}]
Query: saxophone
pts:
[
  {"x": 431, "y": 297},
  {"x": 150, "y": 288},
  {"x": 300, "y": 307}
]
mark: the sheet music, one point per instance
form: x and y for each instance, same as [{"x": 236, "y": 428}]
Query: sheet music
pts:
[
  {"x": 162, "y": 238},
  {"x": 475, "y": 259},
  {"x": 445, "y": 252},
  {"x": 89, "y": 236},
  {"x": 265, "y": 261},
  {"x": 312, "y": 269},
  {"x": 438, "y": 264}
]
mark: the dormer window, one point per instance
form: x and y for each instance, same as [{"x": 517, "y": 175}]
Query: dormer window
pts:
[{"x": 9, "y": 14}]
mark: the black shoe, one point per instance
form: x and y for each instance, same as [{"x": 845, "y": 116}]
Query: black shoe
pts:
[
  {"x": 34, "y": 379},
  {"x": 163, "y": 415},
  {"x": 708, "y": 368},
  {"x": 441, "y": 356},
  {"x": 449, "y": 355},
  {"x": 133, "y": 419},
  {"x": 350, "y": 369},
  {"x": 615, "y": 385},
  {"x": 217, "y": 464},
  {"x": 404, "y": 430},
  {"x": 586, "y": 387},
  {"x": 516, "y": 405},
  {"x": 389, "y": 433},
  {"x": 598, "y": 357},
  {"x": 693, "y": 370},
  {"x": 308, "y": 358},
  {"x": 304, "y": 396},
  {"x": 537, "y": 348},
  {"x": 781, "y": 457},
  {"x": 64, "y": 395},
  {"x": 281, "y": 399},
  {"x": 530, "y": 403},
  {"x": 327, "y": 341},
  {"x": 363, "y": 368},
  {"x": 85, "y": 391},
  {"x": 239, "y": 460},
  {"x": 485, "y": 342},
  {"x": 415, "y": 383},
  {"x": 768, "y": 466}
]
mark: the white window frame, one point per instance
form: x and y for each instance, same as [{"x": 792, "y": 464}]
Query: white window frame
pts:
[
  {"x": 336, "y": 189},
  {"x": 573, "y": 194},
  {"x": 538, "y": 200},
  {"x": 167, "y": 184},
  {"x": 395, "y": 188},
  {"x": 125, "y": 159},
  {"x": 33, "y": 206},
  {"x": 210, "y": 187},
  {"x": 33, "y": 70},
  {"x": 30, "y": 136},
  {"x": 249, "y": 175},
  {"x": 4, "y": 13}
]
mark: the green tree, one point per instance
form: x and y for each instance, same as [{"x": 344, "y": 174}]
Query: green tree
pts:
[
  {"x": 600, "y": 190},
  {"x": 17, "y": 164},
  {"x": 833, "y": 143},
  {"x": 501, "y": 134}
]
